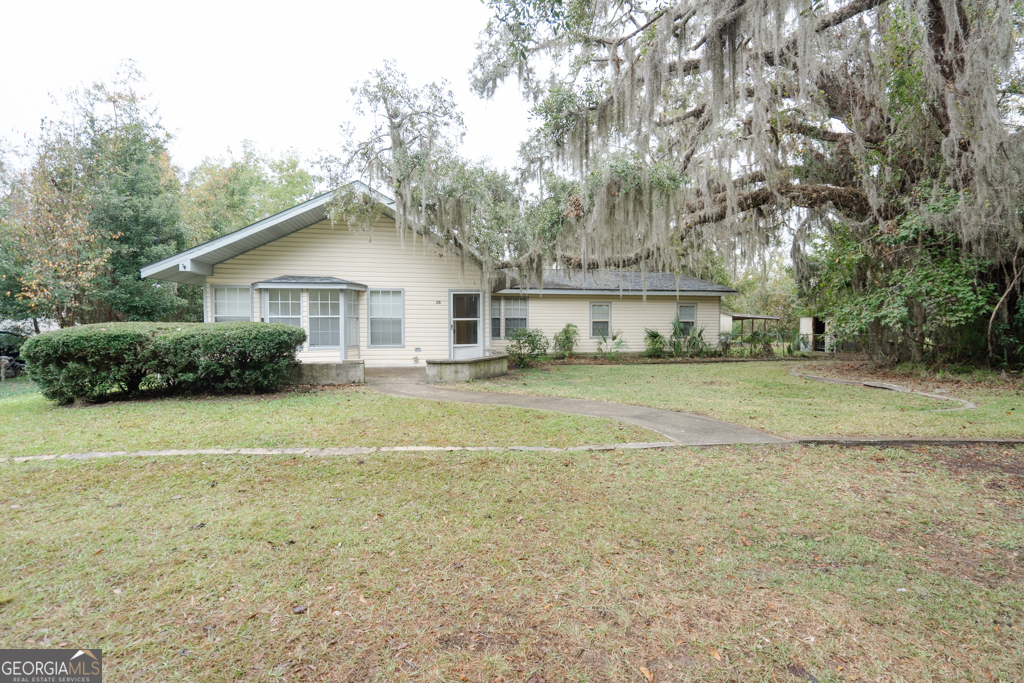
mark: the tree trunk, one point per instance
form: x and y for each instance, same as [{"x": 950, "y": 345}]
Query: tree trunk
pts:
[
  {"x": 917, "y": 347},
  {"x": 873, "y": 340}
]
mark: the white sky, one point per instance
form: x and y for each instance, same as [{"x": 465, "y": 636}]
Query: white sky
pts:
[{"x": 275, "y": 73}]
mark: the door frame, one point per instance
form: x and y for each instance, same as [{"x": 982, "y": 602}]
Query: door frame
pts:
[{"x": 451, "y": 321}]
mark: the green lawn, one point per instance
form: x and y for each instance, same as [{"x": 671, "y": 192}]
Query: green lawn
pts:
[
  {"x": 765, "y": 396},
  {"x": 726, "y": 564},
  {"x": 30, "y": 425},
  {"x": 16, "y": 387}
]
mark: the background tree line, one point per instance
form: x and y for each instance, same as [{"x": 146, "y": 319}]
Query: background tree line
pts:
[{"x": 96, "y": 196}]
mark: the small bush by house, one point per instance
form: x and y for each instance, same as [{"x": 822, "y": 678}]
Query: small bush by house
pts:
[
  {"x": 92, "y": 362},
  {"x": 566, "y": 340},
  {"x": 526, "y": 346}
]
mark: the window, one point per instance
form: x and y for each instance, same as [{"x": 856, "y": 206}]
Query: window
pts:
[
  {"x": 351, "y": 318},
  {"x": 386, "y": 313},
  {"x": 285, "y": 306},
  {"x": 515, "y": 314},
  {"x": 495, "y": 318},
  {"x": 688, "y": 317},
  {"x": 516, "y": 318},
  {"x": 600, "y": 320},
  {"x": 231, "y": 303},
  {"x": 324, "y": 317}
]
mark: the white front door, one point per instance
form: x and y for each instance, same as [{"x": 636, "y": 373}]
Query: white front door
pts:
[{"x": 466, "y": 333}]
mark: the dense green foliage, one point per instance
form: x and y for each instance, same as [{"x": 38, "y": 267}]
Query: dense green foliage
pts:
[
  {"x": 907, "y": 292},
  {"x": 224, "y": 194},
  {"x": 526, "y": 346},
  {"x": 565, "y": 341},
  {"x": 655, "y": 343},
  {"x": 93, "y": 362},
  {"x": 98, "y": 197}
]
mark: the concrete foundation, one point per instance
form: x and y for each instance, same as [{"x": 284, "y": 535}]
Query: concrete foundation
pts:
[
  {"x": 327, "y": 374},
  {"x": 465, "y": 369}
]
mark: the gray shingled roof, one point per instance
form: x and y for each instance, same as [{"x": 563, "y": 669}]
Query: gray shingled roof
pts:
[{"x": 620, "y": 281}]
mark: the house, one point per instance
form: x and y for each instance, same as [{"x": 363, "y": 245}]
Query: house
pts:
[
  {"x": 604, "y": 303},
  {"x": 395, "y": 299}
]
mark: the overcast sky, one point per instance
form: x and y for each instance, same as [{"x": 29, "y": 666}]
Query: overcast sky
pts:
[{"x": 276, "y": 73}]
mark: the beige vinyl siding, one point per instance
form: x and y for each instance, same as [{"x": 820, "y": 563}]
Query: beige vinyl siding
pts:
[
  {"x": 378, "y": 260},
  {"x": 629, "y": 314}
]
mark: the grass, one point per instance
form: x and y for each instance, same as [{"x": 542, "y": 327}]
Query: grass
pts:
[
  {"x": 30, "y": 425},
  {"x": 765, "y": 396},
  {"x": 16, "y": 387},
  {"x": 725, "y": 564}
]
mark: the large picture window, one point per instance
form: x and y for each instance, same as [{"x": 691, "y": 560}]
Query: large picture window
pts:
[
  {"x": 688, "y": 317},
  {"x": 386, "y": 314},
  {"x": 284, "y": 306},
  {"x": 600, "y": 320},
  {"x": 324, "y": 317},
  {"x": 231, "y": 304}
]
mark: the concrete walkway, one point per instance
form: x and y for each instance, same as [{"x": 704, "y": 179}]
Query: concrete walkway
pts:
[{"x": 680, "y": 428}]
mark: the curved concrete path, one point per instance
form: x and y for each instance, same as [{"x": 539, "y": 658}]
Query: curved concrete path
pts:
[{"x": 681, "y": 428}]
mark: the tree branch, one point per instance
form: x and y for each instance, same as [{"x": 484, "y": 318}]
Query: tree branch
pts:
[{"x": 851, "y": 200}]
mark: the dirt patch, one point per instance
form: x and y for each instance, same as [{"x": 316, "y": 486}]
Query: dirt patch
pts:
[
  {"x": 946, "y": 553},
  {"x": 966, "y": 460}
]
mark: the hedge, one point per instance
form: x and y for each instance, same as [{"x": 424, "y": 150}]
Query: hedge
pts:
[{"x": 93, "y": 361}]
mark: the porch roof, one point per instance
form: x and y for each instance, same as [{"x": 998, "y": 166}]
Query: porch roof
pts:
[{"x": 308, "y": 282}]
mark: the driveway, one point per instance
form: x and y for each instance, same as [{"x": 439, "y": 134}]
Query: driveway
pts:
[{"x": 681, "y": 428}]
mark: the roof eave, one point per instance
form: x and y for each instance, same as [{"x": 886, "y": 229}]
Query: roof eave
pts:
[{"x": 310, "y": 285}]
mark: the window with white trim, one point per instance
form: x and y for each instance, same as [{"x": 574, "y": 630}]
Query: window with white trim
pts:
[
  {"x": 386, "y": 311},
  {"x": 284, "y": 306},
  {"x": 496, "y": 318},
  {"x": 324, "y": 318},
  {"x": 351, "y": 318},
  {"x": 515, "y": 313},
  {"x": 600, "y": 320},
  {"x": 231, "y": 304},
  {"x": 688, "y": 317}
]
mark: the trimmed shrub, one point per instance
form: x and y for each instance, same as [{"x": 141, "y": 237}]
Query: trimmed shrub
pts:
[
  {"x": 226, "y": 357},
  {"x": 89, "y": 361},
  {"x": 93, "y": 361},
  {"x": 525, "y": 346}
]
